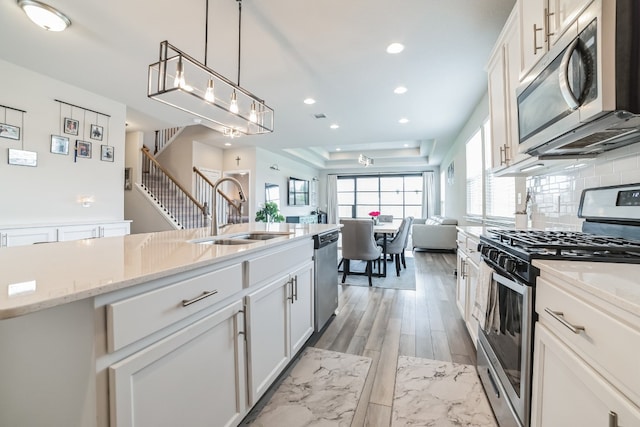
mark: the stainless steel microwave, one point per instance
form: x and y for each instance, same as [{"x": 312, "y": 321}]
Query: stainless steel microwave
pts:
[{"x": 583, "y": 98}]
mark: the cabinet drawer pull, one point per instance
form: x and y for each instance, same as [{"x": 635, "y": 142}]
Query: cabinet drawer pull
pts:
[
  {"x": 547, "y": 32},
  {"x": 559, "y": 316},
  {"x": 205, "y": 294},
  {"x": 290, "y": 283},
  {"x": 613, "y": 419},
  {"x": 295, "y": 287}
]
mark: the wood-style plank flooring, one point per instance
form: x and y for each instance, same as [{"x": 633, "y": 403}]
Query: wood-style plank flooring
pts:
[{"x": 385, "y": 323}]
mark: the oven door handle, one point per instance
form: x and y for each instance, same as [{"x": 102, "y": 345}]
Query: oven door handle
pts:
[{"x": 514, "y": 286}]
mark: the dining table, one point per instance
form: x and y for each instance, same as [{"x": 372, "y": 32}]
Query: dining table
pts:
[{"x": 387, "y": 229}]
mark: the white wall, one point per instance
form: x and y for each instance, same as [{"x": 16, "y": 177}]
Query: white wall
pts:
[
  {"x": 288, "y": 168},
  {"x": 50, "y": 193},
  {"x": 455, "y": 202}
]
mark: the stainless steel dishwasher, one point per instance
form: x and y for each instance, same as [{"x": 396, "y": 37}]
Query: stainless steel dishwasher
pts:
[{"x": 326, "y": 277}]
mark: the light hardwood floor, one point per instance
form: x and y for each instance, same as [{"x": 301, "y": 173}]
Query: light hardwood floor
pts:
[{"x": 385, "y": 323}]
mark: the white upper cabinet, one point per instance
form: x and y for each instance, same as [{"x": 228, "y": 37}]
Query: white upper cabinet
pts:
[
  {"x": 503, "y": 72},
  {"x": 542, "y": 23}
]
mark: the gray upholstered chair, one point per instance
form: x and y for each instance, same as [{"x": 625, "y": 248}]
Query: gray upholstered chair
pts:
[
  {"x": 385, "y": 218},
  {"x": 358, "y": 244},
  {"x": 406, "y": 241},
  {"x": 396, "y": 246}
]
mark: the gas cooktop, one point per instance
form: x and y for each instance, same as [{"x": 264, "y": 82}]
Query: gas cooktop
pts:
[{"x": 570, "y": 245}]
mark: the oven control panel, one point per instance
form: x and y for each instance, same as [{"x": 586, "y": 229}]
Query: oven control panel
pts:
[{"x": 508, "y": 264}]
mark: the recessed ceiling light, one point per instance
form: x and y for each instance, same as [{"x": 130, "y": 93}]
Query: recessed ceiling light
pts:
[
  {"x": 400, "y": 90},
  {"x": 395, "y": 48},
  {"x": 309, "y": 101},
  {"x": 403, "y": 120},
  {"x": 338, "y": 149},
  {"x": 227, "y": 144},
  {"x": 44, "y": 15},
  {"x": 406, "y": 145},
  {"x": 334, "y": 126}
]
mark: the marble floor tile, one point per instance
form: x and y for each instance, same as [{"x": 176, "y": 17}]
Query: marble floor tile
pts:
[
  {"x": 440, "y": 394},
  {"x": 322, "y": 390}
]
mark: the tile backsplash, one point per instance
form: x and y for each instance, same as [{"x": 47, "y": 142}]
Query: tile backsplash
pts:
[{"x": 555, "y": 197}]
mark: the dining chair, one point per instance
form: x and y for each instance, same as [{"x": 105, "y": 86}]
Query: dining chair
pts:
[
  {"x": 396, "y": 246},
  {"x": 406, "y": 241},
  {"x": 358, "y": 244},
  {"x": 385, "y": 218}
]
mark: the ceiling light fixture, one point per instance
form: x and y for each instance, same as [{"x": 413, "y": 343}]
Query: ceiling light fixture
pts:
[
  {"x": 44, "y": 15},
  {"x": 309, "y": 101},
  {"x": 334, "y": 126},
  {"x": 395, "y": 48},
  {"x": 400, "y": 90},
  {"x": 182, "y": 82},
  {"x": 364, "y": 160},
  {"x": 403, "y": 120}
]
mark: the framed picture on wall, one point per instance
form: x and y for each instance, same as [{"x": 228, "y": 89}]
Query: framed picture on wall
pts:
[
  {"x": 96, "y": 132},
  {"x": 83, "y": 149},
  {"x": 106, "y": 153},
  {"x": 71, "y": 126},
  {"x": 9, "y": 131},
  {"x": 59, "y": 144}
]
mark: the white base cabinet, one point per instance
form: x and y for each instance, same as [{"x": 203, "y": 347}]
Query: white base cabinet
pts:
[
  {"x": 280, "y": 320},
  {"x": 568, "y": 392},
  {"x": 467, "y": 281},
  {"x": 195, "y": 377}
]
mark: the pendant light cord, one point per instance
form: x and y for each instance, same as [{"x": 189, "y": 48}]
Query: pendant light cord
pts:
[
  {"x": 239, "y": 35},
  {"x": 206, "y": 30}
]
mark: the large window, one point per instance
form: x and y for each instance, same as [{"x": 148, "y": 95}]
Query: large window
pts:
[
  {"x": 397, "y": 195},
  {"x": 488, "y": 196}
]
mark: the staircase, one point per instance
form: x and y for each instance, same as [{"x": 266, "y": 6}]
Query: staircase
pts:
[{"x": 177, "y": 203}]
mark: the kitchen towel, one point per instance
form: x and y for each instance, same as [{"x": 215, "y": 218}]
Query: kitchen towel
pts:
[{"x": 485, "y": 309}]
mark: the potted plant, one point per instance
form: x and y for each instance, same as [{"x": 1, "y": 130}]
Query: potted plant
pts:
[{"x": 269, "y": 213}]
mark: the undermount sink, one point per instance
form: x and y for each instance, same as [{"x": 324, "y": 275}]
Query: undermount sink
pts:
[
  {"x": 242, "y": 239},
  {"x": 260, "y": 236},
  {"x": 216, "y": 241}
]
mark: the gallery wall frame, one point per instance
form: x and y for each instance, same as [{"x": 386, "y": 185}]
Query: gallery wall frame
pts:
[
  {"x": 59, "y": 144},
  {"x": 9, "y": 131},
  {"x": 83, "y": 149},
  {"x": 106, "y": 153}
]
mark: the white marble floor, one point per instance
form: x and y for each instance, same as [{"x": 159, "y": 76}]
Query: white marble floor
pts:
[
  {"x": 322, "y": 390},
  {"x": 324, "y": 387},
  {"x": 436, "y": 393}
]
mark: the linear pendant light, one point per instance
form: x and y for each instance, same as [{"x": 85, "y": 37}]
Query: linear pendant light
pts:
[{"x": 182, "y": 82}]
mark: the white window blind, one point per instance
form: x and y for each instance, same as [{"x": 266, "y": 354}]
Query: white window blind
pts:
[
  {"x": 475, "y": 169},
  {"x": 500, "y": 199}
]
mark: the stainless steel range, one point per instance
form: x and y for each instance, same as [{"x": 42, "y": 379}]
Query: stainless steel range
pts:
[{"x": 610, "y": 233}]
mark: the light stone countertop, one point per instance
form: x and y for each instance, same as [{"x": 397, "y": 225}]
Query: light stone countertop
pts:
[
  {"x": 616, "y": 283},
  {"x": 473, "y": 230},
  {"x": 37, "y": 277}
]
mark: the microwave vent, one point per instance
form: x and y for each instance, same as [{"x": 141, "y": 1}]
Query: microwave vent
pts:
[{"x": 598, "y": 138}]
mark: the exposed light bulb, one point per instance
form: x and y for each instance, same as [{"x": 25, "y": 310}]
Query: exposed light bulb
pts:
[
  {"x": 179, "y": 80},
  {"x": 209, "y": 94},
  {"x": 253, "y": 116},
  {"x": 233, "y": 107}
]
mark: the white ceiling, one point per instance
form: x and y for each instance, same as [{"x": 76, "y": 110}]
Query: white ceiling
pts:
[{"x": 331, "y": 50}]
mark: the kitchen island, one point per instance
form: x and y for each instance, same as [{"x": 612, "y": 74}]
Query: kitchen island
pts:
[{"x": 152, "y": 329}]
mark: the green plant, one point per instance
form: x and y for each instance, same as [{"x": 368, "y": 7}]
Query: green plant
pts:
[{"x": 269, "y": 213}]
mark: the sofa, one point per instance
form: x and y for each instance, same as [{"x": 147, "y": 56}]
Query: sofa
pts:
[{"x": 436, "y": 232}]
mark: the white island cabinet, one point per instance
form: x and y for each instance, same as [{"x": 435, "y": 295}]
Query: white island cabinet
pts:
[
  {"x": 585, "y": 369},
  {"x": 279, "y": 314},
  {"x": 154, "y": 329}
]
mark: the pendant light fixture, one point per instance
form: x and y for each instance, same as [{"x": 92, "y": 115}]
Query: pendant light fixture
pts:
[{"x": 179, "y": 80}]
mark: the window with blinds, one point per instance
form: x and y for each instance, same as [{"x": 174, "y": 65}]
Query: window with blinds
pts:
[{"x": 488, "y": 196}]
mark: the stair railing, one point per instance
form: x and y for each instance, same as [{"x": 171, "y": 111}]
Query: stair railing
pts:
[
  {"x": 163, "y": 136},
  {"x": 204, "y": 191},
  {"x": 175, "y": 199}
]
